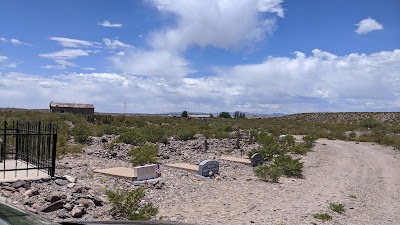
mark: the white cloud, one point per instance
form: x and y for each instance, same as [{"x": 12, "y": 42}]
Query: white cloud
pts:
[
  {"x": 367, "y": 25},
  {"x": 18, "y": 42},
  {"x": 12, "y": 65},
  {"x": 107, "y": 23},
  {"x": 3, "y": 58},
  {"x": 73, "y": 43},
  {"x": 313, "y": 82},
  {"x": 3, "y": 39},
  {"x": 66, "y": 54},
  {"x": 89, "y": 68},
  {"x": 62, "y": 57},
  {"x": 113, "y": 44},
  {"x": 218, "y": 23},
  {"x": 157, "y": 63}
]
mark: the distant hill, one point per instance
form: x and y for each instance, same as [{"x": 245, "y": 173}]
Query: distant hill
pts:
[{"x": 345, "y": 117}]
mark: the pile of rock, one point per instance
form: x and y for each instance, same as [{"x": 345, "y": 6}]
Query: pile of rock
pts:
[{"x": 61, "y": 196}]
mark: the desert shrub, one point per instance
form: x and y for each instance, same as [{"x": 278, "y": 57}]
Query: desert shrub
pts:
[
  {"x": 300, "y": 148},
  {"x": 81, "y": 132},
  {"x": 145, "y": 154},
  {"x": 369, "y": 123},
  {"x": 322, "y": 216},
  {"x": 68, "y": 149},
  {"x": 366, "y": 138},
  {"x": 337, "y": 207},
  {"x": 128, "y": 204},
  {"x": 290, "y": 167},
  {"x": 268, "y": 172}
]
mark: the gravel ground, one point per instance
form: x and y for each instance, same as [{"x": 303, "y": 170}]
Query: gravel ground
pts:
[{"x": 365, "y": 177}]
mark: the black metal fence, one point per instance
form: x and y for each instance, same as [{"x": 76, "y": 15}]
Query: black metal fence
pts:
[{"x": 34, "y": 144}]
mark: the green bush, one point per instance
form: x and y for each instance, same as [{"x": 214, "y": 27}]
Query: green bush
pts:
[
  {"x": 145, "y": 154},
  {"x": 322, "y": 216},
  {"x": 128, "y": 204},
  {"x": 337, "y": 207},
  {"x": 268, "y": 172},
  {"x": 68, "y": 149},
  {"x": 290, "y": 167},
  {"x": 81, "y": 132}
]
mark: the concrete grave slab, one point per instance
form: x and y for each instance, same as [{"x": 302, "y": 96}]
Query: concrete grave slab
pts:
[
  {"x": 132, "y": 174},
  {"x": 119, "y": 172},
  {"x": 184, "y": 166},
  {"x": 11, "y": 176}
]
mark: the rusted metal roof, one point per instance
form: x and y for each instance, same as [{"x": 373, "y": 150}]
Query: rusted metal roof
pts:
[{"x": 71, "y": 105}]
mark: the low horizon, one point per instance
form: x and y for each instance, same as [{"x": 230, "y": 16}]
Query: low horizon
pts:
[{"x": 259, "y": 56}]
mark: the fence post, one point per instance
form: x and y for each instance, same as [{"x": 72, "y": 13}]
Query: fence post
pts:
[{"x": 53, "y": 157}]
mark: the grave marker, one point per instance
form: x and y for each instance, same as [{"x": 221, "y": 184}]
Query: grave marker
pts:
[
  {"x": 207, "y": 166},
  {"x": 256, "y": 159}
]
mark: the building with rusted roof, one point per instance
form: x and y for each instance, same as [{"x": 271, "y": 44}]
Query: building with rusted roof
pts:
[{"x": 76, "y": 108}]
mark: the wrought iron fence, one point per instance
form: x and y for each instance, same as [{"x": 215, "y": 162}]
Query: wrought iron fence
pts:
[{"x": 32, "y": 143}]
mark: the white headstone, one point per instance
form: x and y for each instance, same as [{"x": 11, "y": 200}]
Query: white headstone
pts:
[{"x": 146, "y": 172}]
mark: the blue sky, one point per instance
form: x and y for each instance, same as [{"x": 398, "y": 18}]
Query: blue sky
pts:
[{"x": 259, "y": 56}]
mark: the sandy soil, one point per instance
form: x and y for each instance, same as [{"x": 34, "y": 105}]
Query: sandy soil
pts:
[{"x": 365, "y": 177}]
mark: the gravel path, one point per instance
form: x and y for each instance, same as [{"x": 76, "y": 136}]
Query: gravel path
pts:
[{"x": 364, "y": 177}]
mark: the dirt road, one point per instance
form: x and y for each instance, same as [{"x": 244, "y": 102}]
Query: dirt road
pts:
[{"x": 365, "y": 177}]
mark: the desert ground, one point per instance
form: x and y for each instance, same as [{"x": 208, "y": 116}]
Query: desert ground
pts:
[{"x": 363, "y": 176}]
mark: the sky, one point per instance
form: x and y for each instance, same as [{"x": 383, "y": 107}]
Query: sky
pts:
[{"x": 157, "y": 56}]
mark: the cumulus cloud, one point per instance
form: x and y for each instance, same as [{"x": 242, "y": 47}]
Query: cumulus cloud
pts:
[
  {"x": 367, "y": 25},
  {"x": 73, "y": 43},
  {"x": 113, "y": 44},
  {"x": 157, "y": 63},
  {"x": 217, "y": 23},
  {"x": 313, "y": 81},
  {"x": 107, "y": 23},
  {"x": 3, "y": 39}
]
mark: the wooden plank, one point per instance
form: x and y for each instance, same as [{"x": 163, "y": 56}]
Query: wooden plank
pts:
[{"x": 236, "y": 159}]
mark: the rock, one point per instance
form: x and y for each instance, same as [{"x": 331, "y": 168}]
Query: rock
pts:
[
  {"x": 18, "y": 184},
  {"x": 61, "y": 182},
  {"x": 54, "y": 197},
  {"x": 53, "y": 207},
  {"x": 84, "y": 202},
  {"x": 165, "y": 156},
  {"x": 70, "y": 179},
  {"x": 6, "y": 193},
  {"x": 98, "y": 201},
  {"x": 68, "y": 198},
  {"x": 28, "y": 202},
  {"x": 68, "y": 206},
  {"x": 32, "y": 210},
  {"x": 8, "y": 188},
  {"x": 114, "y": 154},
  {"x": 77, "y": 212},
  {"x": 35, "y": 206},
  {"x": 70, "y": 185}
]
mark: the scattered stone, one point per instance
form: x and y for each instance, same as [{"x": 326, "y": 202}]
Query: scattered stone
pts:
[
  {"x": 68, "y": 206},
  {"x": 61, "y": 182},
  {"x": 8, "y": 188},
  {"x": 84, "y": 202},
  {"x": 77, "y": 212},
  {"x": 53, "y": 207},
  {"x": 70, "y": 179},
  {"x": 70, "y": 185},
  {"x": 18, "y": 184},
  {"x": 54, "y": 197},
  {"x": 98, "y": 201},
  {"x": 256, "y": 159}
]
